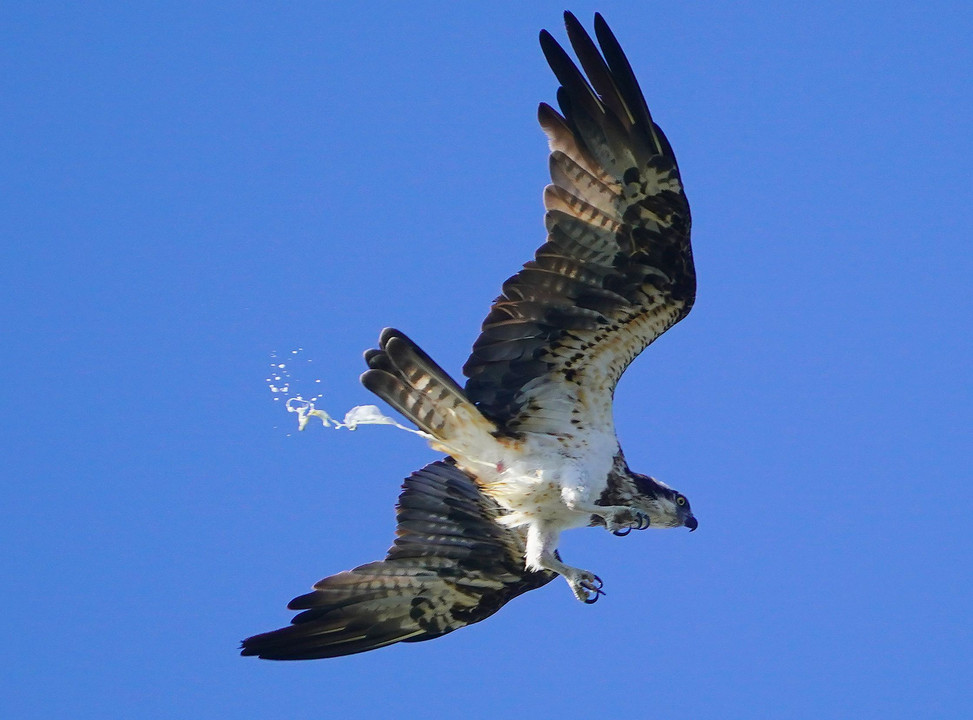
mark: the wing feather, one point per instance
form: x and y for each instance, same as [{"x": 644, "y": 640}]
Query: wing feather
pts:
[
  {"x": 451, "y": 565},
  {"x": 616, "y": 270}
]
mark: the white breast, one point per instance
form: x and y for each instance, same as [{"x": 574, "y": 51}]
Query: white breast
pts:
[{"x": 532, "y": 480}]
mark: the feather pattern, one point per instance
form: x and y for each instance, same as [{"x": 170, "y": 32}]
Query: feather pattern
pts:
[
  {"x": 531, "y": 436},
  {"x": 616, "y": 270},
  {"x": 451, "y": 565},
  {"x": 405, "y": 377}
]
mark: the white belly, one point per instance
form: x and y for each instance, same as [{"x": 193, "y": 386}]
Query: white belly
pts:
[{"x": 535, "y": 479}]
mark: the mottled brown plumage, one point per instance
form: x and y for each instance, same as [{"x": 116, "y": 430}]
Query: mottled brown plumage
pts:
[
  {"x": 531, "y": 436},
  {"x": 617, "y": 268},
  {"x": 451, "y": 565}
]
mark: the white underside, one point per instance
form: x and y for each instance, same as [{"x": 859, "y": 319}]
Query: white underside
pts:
[
  {"x": 547, "y": 481},
  {"x": 543, "y": 479}
]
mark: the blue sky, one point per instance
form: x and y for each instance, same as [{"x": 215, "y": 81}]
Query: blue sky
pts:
[{"x": 187, "y": 189}]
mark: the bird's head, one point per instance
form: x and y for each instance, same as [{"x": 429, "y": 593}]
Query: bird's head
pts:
[{"x": 665, "y": 507}]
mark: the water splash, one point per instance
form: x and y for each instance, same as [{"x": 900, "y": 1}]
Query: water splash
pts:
[
  {"x": 285, "y": 379},
  {"x": 286, "y": 371},
  {"x": 358, "y": 415}
]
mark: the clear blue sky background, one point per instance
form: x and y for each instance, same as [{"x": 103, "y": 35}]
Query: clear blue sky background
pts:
[{"x": 185, "y": 190}]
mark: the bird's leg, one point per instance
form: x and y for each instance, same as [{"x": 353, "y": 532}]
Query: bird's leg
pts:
[{"x": 540, "y": 555}]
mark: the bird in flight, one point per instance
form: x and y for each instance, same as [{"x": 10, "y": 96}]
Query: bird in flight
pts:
[{"x": 530, "y": 440}]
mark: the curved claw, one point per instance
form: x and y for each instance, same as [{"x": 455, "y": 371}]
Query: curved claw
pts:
[
  {"x": 634, "y": 520},
  {"x": 598, "y": 592},
  {"x": 591, "y": 589},
  {"x": 594, "y": 598}
]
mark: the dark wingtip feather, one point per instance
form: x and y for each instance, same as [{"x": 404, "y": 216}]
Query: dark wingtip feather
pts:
[
  {"x": 387, "y": 334},
  {"x": 602, "y": 28},
  {"x": 547, "y": 40},
  {"x": 571, "y": 21},
  {"x": 621, "y": 68}
]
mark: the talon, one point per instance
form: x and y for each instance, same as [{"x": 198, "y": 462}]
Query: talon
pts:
[
  {"x": 596, "y": 592},
  {"x": 587, "y": 587},
  {"x": 623, "y": 532},
  {"x": 594, "y": 598}
]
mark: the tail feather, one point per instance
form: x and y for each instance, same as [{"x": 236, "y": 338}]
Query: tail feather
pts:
[{"x": 410, "y": 381}]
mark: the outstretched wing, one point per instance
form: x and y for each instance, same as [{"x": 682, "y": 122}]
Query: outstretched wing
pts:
[
  {"x": 451, "y": 565},
  {"x": 616, "y": 270}
]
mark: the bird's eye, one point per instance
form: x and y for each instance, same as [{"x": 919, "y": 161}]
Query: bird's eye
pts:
[{"x": 680, "y": 500}]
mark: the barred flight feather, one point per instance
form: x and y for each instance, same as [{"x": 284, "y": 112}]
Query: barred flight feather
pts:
[
  {"x": 409, "y": 380},
  {"x": 450, "y": 566},
  {"x": 616, "y": 270}
]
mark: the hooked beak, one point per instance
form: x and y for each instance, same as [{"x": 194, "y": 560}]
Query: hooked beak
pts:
[{"x": 692, "y": 523}]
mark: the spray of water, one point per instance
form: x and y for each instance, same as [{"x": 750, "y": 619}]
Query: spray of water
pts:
[{"x": 284, "y": 380}]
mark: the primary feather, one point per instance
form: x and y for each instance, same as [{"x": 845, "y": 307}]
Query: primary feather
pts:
[
  {"x": 617, "y": 268},
  {"x": 451, "y": 565}
]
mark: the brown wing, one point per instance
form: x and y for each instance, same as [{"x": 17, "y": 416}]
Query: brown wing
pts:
[
  {"x": 451, "y": 565},
  {"x": 616, "y": 270}
]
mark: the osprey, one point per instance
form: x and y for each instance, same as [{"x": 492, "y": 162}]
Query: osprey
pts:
[{"x": 530, "y": 440}]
